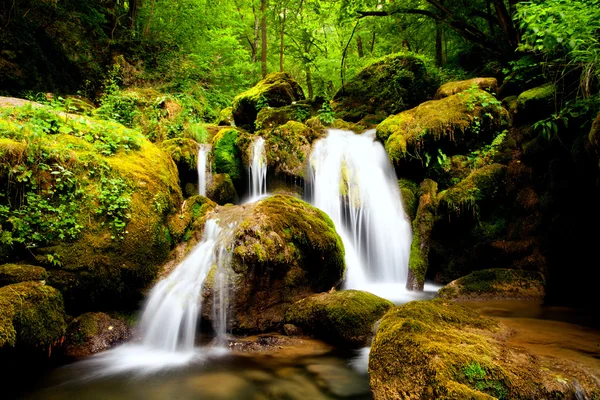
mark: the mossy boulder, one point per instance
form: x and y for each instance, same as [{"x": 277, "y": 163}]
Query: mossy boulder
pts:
[
  {"x": 227, "y": 155},
  {"x": 226, "y": 117},
  {"x": 93, "y": 209},
  {"x": 594, "y": 136},
  {"x": 496, "y": 284},
  {"x": 342, "y": 317},
  {"x": 283, "y": 250},
  {"x": 288, "y": 149},
  {"x": 482, "y": 184},
  {"x": 16, "y": 273},
  {"x": 418, "y": 261},
  {"x": 31, "y": 314},
  {"x": 278, "y": 89},
  {"x": 410, "y": 197},
  {"x": 537, "y": 103},
  {"x": 270, "y": 117},
  {"x": 453, "y": 125},
  {"x": 94, "y": 332},
  {"x": 221, "y": 189},
  {"x": 437, "y": 349},
  {"x": 451, "y": 88},
  {"x": 356, "y": 127},
  {"x": 182, "y": 224},
  {"x": 387, "y": 86}
]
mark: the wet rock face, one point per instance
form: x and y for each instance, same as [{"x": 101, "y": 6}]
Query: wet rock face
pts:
[
  {"x": 283, "y": 249},
  {"x": 438, "y": 349},
  {"x": 496, "y": 284},
  {"x": 345, "y": 317},
  {"x": 94, "y": 332}
]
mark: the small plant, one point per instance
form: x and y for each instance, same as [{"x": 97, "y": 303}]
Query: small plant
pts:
[
  {"x": 261, "y": 103},
  {"x": 114, "y": 204},
  {"x": 441, "y": 159},
  {"x": 550, "y": 126},
  {"x": 302, "y": 114},
  {"x": 326, "y": 114}
]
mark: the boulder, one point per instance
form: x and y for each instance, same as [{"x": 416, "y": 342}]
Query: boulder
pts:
[
  {"x": 437, "y": 349},
  {"x": 594, "y": 136},
  {"x": 269, "y": 117},
  {"x": 221, "y": 189},
  {"x": 387, "y": 86},
  {"x": 496, "y": 284},
  {"x": 410, "y": 200},
  {"x": 94, "y": 332},
  {"x": 342, "y": 317},
  {"x": 288, "y": 149},
  {"x": 32, "y": 314},
  {"x": 227, "y": 155},
  {"x": 278, "y": 89},
  {"x": 451, "y": 88},
  {"x": 283, "y": 250},
  {"x": 537, "y": 103},
  {"x": 456, "y": 124},
  {"x": 226, "y": 117},
  {"x": 16, "y": 273}
]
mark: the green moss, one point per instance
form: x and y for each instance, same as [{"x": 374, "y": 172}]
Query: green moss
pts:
[
  {"x": 226, "y": 117},
  {"x": 482, "y": 184},
  {"x": 15, "y": 273},
  {"x": 269, "y": 117},
  {"x": 226, "y": 154},
  {"x": 347, "y": 126},
  {"x": 221, "y": 189},
  {"x": 451, "y": 88},
  {"x": 496, "y": 283},
  {"x": 180, "y": 224},
  {"x": 408, "y": 190},
  {"x": 278, "y": 89},
  {"x": 537, "y": 103},
  {"x": 288, "y": 149},
  {"x": 387, "y": 86},
  {"x": 340, "y": 317},
  {"x": 182, "y": 150},
  {"x": 457, "y": 123},
  {"x": 31, "y": 314}
]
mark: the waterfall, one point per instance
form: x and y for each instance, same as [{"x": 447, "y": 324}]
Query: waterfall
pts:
[
  {"x": 203, "y": 175},
  {"x": 170, "y": 317},
  {"x": 354, "y": 182},
  {"x": 258, "y": 169}
]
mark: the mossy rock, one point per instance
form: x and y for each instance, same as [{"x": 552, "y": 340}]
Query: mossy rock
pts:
[
  {"x": 278, "y": 89},
  {"x": 103, "y": 236},
  {"x": 227, "y": 154},
  {"x": 16, "y": 273},
  {"x": 437, "y": 349},
  {"x": 451, "y": 88},
  {"x": 537, "y": 103},
  {"x": 496, "y": 284},
  {"x": 270, "y": 117},
  {"x": 387, "y": 86},
  {"x": 288, "y": 149},
  {"x": 482, "y": 184},
  {"x": 32, "y": 314},
  {"x": 221, "y": 189},
  {"x": 347, "y": 126},
  {"x": 453, "y": 125},
  {"x": 226, "y": 117},
  {"x": 423, "y": 223},
  {"x": 183, "y": 151},
  {"x": 594, "y": 136},
  {"x": 94, "y": 332},
  {"x": 343, "y": 317},
  {"x": 410, "y": 200},
  {"x": 283, "y": 250},
  {"x": 79, "y": 105},
  {"x": 183, "y": 223}
]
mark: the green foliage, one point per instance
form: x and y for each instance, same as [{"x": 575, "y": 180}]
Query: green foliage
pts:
[
  {"x": 326, "y": 114},
  {"x": 485, "y": 155},
  {"x": 476, "y": 376},
  {"x": 261, "y": 102},
  {"x": 114, "y": 202}
]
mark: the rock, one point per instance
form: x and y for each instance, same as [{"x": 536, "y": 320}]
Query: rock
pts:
[
  {"x": 103, "y": 202},
  {"x": 221, "y": 189},
  {"x": 387, "y": 86},
  {"x": 269, "y": 117},
  {"x": 496, "y": 284},
  {"x": 594, "y": 136},
  {"x": 16, "y": 273},
  {"x": 537, "y": 103},
  {"x": 94, "y": 332},
  {"x": 288, "y": 149},
  {"x": 31, "y": 314},
  {"x": 418, "y": 262},
  {"x": 226, "y": 117},
  {"x": 292, "y": 330},
  {"x": 278, "y": 89},
  {"x": 437, "y": 349},
  {"x": 190, "y": 218},
  {"x": 347, "y": 126},
  {"x": 453, "y": 125},
  {"x": 227, "y": 155},
  {"x": 283, "y": 250},
  {"x": 219, "y": 385},
  {"x": 296, "y": 387},
  {"x": 451, "y": 88},
  {"x": 79, "y": 105},
  {"x": 410, "y": 201},
  {"x": 345, "y": 317},
  {"x": 336, "y": 377}
]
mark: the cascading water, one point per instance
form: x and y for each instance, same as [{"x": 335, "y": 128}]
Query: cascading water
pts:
[
  {"x": 258, "y": 170},
  {"x": 203, "y": 174},
  {"x": 168, "y": 323},
  {"x": 354, "y": 182}
]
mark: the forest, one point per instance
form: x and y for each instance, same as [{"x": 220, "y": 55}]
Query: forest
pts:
[{"x": 293, "y": 199}]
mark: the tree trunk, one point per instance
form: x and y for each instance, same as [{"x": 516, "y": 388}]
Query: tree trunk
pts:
[
  {"x": 506, "y": 22},
  {"x": 254, "y": 45},
  {"x": 489, "y": 11},
  {"x": 439, "y": 49},
  {"x": 263, "y": 29},
  {"x": 359, "y": 46},
  {"x": 132, "y": 14},
  {"x": 373, "y": 42},
  {"x": 309, "y": 82},
  {"x": 282, "y": 42},
  {"x": 147, "y": 26}
]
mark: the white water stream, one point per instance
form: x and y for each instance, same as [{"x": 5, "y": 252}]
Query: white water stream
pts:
[
  {"x": 258, "y": 170},
  {"x": 354, "y": 182},
  {"x": 203, "y": 174}
]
